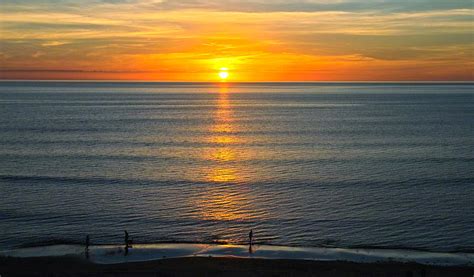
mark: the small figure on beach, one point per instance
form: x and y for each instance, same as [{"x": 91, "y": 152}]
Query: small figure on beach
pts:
[
  {"x": 250, "y": 241},
  {"x": 88, "y": 242},
  {"x": 126, "y": 238},
  {"x": 128, "y": 242}
]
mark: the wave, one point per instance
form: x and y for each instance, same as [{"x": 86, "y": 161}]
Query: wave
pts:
[
  {"x": 113, "y": 254},
  {"x": 98, "y": 180}
]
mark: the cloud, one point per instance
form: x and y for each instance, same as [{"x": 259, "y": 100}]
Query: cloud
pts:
[
  {"x": 174, "y": 36},
  {"x": 313, "y": 5},
  {"x": 37, "y": 54},
  {"x": 54, "y": 43},
  {"x": 253, "y": 5}
]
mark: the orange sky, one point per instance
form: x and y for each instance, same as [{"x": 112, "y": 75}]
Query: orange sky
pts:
[{"x": 255, "y": 40}]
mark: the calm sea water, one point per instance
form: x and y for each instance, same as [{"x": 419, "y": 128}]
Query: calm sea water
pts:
[{"x": 337, "y": 165}]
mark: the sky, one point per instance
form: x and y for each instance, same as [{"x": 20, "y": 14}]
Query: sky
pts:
[{"x": 251, "y": 40}]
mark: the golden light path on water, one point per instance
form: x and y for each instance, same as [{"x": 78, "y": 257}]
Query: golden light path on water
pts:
[
  {"x": 222, "y": 138},
  {"x": 229, "y": 198}
]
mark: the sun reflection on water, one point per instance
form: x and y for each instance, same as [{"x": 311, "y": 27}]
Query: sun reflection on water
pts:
[
  {"x": 224, "y": 203},
  {"x": 222, "y": 137},
  {"x": 225, "y": 200},
  {"x": 226, "y": 194}
]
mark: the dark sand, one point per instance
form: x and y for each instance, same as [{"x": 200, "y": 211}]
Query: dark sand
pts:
[{"x": 70, "y": 266}]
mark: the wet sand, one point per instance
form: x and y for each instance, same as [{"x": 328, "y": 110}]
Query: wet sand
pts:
[{"x": 207, "y": 266}]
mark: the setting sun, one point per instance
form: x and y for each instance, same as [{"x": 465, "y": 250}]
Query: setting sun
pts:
[{"x": 223, "y": 73}]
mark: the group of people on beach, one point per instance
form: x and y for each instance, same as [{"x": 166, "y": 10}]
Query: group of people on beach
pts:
[{"x": 128, "y": 243}]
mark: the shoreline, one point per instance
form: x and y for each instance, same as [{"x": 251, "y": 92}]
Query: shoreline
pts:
[
  {"x": 117, "y": 254},
  {"x": 220, "y": 266}
]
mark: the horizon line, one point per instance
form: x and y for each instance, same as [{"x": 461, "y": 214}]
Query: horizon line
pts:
[{"x": 231, "y": 82}]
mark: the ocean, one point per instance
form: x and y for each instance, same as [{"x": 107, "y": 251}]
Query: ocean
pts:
[{"x": 345, "y": 165}]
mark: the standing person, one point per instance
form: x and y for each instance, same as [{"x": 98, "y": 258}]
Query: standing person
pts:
[
  {"x": 251, "y": 237},
  {"x": 127, "y": 243},
  {"x": 126, "y": 239},
  {"x": 250, "y": 241},
  {"x": 88, "y": 242}
]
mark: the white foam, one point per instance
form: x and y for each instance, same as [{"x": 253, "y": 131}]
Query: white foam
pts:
[{"x": 112, "y": 254}]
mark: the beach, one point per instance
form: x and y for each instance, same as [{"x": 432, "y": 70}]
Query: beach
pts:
[
  {"x": 205, "y": 266},
  {"x": 229, "y": 260}
]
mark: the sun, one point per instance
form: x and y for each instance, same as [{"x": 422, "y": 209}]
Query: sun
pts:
[{"x": 223, "y": 73}]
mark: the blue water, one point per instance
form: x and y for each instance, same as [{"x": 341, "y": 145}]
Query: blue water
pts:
[{"x": 329, "y": 164}]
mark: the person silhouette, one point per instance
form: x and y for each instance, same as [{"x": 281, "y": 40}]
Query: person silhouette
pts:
[
  {"x": 250, "y": 241},
  {"x": 126, "y": 238},
  {"x": 88, "y": 242},
  {"x": 127, "y": 243},
  {"x": 251, "y": 237}
]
